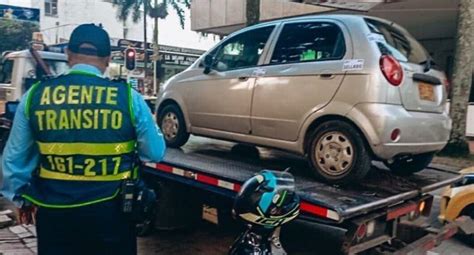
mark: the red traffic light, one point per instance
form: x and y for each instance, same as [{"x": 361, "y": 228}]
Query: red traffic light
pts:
[{"x": 130, "y": 59}]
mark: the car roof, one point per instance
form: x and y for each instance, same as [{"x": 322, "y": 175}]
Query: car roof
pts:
[{"x": 340, "y": 17}]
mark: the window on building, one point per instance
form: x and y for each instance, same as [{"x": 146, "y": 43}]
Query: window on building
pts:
[
  {"x": 242, "y": 51},
  {"x": 309, "y": 41},
  {"x": 51, "y": 7}
]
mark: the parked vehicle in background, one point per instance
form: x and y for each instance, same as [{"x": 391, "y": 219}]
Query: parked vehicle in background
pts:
[
  {"x": 18, "y": 71},
  {"x": 458, "y": 201},
  {"x": 341, "y": 89}
]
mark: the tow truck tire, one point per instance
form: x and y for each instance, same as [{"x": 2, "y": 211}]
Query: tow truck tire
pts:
[
  {"x": 409, "y": 165},
  {"x": 468, "y": 239},
  {"x": 173, "y": 126},
  {"x": 338, "y": 153}
]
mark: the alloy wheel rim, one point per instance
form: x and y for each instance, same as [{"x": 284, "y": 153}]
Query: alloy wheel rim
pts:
[
  {"x": 170, "y": 126},
  {"x": 334, "y": 153}
]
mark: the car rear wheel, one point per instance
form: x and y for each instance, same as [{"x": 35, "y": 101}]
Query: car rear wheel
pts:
[
  {"x": 173, "y": 126},
  {"x": 410, "y": 164},
  {"x": 338, "y": 153}
]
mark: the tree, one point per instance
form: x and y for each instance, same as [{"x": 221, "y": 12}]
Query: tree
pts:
[
  {"x": 16, "y": 35},
  {"x": 462, "y": 79},
  {"x": 156, "y": 11},
  {"x": 133, "y": 8},
  {"x": 253, "y": 12}
]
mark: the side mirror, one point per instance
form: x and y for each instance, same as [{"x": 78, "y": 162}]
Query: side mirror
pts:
[{"x": 208, "y": 62}]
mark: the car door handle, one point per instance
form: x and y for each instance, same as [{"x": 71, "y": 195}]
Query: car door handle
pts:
[
  {"x": 327, "y": 76},
  {"x": 243, "y": 78}
]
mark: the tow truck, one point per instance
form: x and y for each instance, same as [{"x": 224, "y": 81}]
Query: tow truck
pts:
[
  {"x": 18, "y": 71},
  {"x": 377, "y": 215},
  {"x": 201, "y": 179}
]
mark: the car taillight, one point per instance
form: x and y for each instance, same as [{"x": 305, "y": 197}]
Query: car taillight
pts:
[
  {"x": 447, "y": 85},
  {"x": 391, "y": 69},
  {"x": 361, "y": 231}
]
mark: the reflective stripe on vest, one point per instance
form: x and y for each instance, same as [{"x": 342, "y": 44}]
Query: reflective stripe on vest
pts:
[{"x": 109, "y": 149}]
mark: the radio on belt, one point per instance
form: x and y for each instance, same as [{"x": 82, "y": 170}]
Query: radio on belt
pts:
[{"x": 128, "y": 190}]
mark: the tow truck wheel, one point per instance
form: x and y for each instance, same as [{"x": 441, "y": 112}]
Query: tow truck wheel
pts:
[
  {"x": 337, "y": 153},
  {"x": 171, "y": 122},
  {"x": 410, "y": 164},
  {"x": 468, "y": 239}
]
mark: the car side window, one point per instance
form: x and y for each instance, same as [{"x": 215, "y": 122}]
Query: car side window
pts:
[
  {"x": 309, "y": 41},
  {"x": 243, "y": 50}
]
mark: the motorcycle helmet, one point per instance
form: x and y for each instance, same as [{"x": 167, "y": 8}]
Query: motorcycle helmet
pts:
[{"x": 268, "y": 199}]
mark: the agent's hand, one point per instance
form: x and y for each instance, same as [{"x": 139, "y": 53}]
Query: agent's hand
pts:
[{"x": 26, "y": 214}]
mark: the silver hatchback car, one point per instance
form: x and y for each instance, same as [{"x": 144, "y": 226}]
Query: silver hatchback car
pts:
[{"x": 341, "y": 89}]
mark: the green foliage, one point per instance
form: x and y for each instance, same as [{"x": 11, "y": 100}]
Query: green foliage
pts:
[
  {"x": 133, "y": 8},
  {"x": 16, "y": 35}
]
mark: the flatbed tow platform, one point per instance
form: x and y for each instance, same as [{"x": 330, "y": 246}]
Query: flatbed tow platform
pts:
[{"x": 381, "y": 199}]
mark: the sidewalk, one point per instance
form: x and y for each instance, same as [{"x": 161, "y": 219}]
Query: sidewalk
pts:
[{"x": 18, "y": 240}]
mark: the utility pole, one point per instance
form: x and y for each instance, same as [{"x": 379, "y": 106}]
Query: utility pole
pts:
[
  {"x": 156, "y": 53},
  {"x": 252, "y": 12},
  {"x": 145, "y": 56},
  {"x": 57, "y": 32},
  {"x": 462, "y": 79}
]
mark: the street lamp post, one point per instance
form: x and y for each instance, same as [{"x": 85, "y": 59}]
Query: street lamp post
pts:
[
  {"x": 145, "y": 12},
  {"x": 156, "y": 56}
]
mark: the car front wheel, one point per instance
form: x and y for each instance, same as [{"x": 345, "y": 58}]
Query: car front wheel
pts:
[
  {"x": 409, "y": 164},
  {"x": 173, "y": 126},
  {"x": 338, "y": 153}
]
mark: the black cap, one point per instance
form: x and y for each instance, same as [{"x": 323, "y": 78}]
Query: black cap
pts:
[{"x": 93, "y": 35}]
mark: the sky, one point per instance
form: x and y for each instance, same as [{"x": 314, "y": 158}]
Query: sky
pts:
[{"x": 171, "y": 33}]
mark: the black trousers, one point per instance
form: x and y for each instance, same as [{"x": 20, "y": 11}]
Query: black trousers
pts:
[{"x": 95, "y": 229}]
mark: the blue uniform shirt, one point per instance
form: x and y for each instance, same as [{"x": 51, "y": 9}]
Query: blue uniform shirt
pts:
[{"x": 21, "y": 154}]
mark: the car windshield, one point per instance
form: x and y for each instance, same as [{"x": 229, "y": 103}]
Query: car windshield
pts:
[
  {"x": 6, "y": 68},
  {"x": 397, "y": 43}
]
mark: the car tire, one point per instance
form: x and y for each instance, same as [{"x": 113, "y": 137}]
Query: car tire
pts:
[
  {"x": 173, "y": 126},
  {"x": 338, "y": 153},
  {"x": 409, "y": 165}
]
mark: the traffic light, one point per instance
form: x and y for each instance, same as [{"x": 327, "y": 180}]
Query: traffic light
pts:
[{"x": 130, "y": 59}]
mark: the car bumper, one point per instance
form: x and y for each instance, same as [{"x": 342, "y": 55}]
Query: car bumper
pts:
[{"x": 420, "y": 132}]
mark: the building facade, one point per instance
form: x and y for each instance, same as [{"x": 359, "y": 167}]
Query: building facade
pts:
[{"x": 59, "y": 17}]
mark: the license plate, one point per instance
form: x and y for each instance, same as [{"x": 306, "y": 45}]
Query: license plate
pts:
[{"x": 426, "y": 92}]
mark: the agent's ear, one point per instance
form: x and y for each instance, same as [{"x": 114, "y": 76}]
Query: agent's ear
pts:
[
  {"x": 106, "y": 60},
  {"x": 70, "y": 57}
]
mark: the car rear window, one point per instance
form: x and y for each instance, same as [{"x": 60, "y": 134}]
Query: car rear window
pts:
[{"x": 397, "y": 43}]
